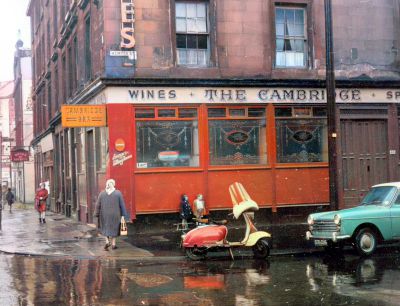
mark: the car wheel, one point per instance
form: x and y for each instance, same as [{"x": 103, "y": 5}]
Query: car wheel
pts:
[
  {"x": 261, "y": 248},
  {"x": 366, "y": 242},
  {"x": 195, "y": 253}
]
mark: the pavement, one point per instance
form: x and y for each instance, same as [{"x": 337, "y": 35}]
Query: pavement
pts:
[{"x": 60, "y": 236}]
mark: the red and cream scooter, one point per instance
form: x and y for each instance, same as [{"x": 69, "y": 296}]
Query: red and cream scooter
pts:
[{"x": 212, "y": 237}]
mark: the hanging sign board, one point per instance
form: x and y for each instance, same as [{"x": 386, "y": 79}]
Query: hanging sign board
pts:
[
  {"x": 19, "y": 155},
  {"x": 83, "y": 115}
]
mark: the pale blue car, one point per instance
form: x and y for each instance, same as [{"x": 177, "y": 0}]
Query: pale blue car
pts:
[{"x": 375, "y": 220}]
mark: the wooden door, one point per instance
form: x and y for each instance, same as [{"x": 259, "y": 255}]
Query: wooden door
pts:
[{"x": 364, "y": 157}]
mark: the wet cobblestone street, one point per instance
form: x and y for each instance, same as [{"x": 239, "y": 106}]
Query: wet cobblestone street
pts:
[{"x": 309, "y": 280}]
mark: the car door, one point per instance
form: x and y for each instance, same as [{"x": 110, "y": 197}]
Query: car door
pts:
[{"x": 395, "y": 217}]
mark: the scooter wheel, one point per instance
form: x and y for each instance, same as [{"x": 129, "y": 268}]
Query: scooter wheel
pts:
[
  {"x": 195, "y": 253},
  {"x": 261, "y": 248}
]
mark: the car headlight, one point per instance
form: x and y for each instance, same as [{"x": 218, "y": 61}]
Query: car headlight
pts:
[
  {"x": 310, "y": 220},
  {"x": 336, "y": 219}
]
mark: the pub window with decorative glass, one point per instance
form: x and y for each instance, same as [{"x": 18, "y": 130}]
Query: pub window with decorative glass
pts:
[
  {"x": 237, "y": 136},
  {"x": 291, "y": 37},
  {"x": 301, "y": 135},
  {"x": 192, "y": 36},
  {"x": 167, "y": 138}
]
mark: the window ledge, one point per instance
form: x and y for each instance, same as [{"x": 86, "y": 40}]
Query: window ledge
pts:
[
  {"x": 168, "y": 170},
  {"x": 302, "y": 165},
  {"x": 238, "y": 167}
]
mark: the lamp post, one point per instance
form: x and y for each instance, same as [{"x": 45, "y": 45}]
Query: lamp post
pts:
[{"x": 331, "y": 107}]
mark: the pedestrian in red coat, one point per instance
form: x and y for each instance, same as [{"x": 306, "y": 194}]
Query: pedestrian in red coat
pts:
[{"x": 41, "y": 197}]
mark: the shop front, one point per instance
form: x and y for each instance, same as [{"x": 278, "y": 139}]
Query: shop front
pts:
[{"x": 165, "y": 142}]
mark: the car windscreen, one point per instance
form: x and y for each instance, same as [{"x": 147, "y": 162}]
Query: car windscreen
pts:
[{"x": 379, "y": 196}]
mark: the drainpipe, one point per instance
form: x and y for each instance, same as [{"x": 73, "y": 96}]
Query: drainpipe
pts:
[{"x": 331, "y": 107}]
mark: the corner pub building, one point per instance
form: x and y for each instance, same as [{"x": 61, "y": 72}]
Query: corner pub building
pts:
[{"x": 200, "y": 94}]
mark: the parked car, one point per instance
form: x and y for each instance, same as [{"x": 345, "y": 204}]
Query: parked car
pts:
[{"x": 375, "y": 220}]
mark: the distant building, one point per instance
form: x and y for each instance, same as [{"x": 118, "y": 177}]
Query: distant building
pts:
[
  {"x": 21, "y": 153},
  {"x": 203, "y": 93},
  {"x": 7, "y": 124}
]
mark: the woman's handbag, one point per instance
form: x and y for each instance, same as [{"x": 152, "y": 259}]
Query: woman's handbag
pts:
[{"x": 123, "y": 230}]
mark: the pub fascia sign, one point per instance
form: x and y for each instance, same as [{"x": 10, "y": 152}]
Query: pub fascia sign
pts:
[{"x": 247, "y": 95}]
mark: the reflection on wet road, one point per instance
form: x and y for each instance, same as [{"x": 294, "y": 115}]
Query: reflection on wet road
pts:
[{"x": 307, "y": 280}]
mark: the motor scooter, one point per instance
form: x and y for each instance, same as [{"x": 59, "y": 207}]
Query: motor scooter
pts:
[{"x": 212, "y": 237}]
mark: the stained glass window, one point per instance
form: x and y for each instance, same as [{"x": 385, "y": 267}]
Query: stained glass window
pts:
[
  {"x": 301, "y": 140},
  {"x": 167, "y": 143},
  {"x": 237, "y": 142}
]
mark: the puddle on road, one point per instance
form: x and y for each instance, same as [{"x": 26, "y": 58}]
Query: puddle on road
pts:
[
  {"x": 146, "y": 280},
  {"x": 159, "y": 238},
  {"x": 180, "y": 298},
  {"x": 283, "y": 281}
]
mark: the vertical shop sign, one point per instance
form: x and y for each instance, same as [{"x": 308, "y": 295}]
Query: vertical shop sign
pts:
[
  {"x": 127, "y": 24},
  {"x": 121, "y": 57}
]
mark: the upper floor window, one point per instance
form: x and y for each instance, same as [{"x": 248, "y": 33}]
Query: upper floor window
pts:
[
  {"x": 291, "y": 37},
  {"x": 192, "y": 34},
  {"x": 88, "y": 54},
  {"x": 55, "y": 19}
]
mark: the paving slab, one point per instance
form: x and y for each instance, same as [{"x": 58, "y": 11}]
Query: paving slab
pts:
[{"x": 60, "y": 236}]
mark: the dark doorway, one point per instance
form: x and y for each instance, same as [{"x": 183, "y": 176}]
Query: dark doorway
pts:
[
  {"x": 364, "y": 157},
  {"x": 91, "y": 176}
]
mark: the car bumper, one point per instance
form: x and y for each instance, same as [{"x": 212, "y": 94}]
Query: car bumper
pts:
[{"x": 331, "y": 236}]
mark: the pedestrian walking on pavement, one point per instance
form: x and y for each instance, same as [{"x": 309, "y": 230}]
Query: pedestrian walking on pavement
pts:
[
  {"x": 40, "y": 202},
  {"x": 10, "y": 198},
  {"x": 110, "y": 207}
]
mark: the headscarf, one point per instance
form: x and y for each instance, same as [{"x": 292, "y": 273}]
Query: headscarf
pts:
[
  {"x": 110, "y": 186},
  {"x": 42, "y": 185}
]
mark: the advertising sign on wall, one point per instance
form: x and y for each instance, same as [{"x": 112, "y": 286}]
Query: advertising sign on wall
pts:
[{"x": 83, "y": 115}]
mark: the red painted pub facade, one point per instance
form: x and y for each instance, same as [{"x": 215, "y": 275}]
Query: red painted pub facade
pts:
[{"x": 164, "y": 143}]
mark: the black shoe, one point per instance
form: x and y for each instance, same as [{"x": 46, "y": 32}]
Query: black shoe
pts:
[
  {"x": 44, "y": 220},
  {"x": 106, "y": 247},
  {"x": 40, "y": 220},
  {"x": 114, "y": 247}
]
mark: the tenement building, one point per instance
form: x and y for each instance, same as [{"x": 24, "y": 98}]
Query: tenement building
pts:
[{"x": 172, "y": 97}]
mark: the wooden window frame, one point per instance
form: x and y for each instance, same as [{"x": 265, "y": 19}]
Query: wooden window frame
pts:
[
  {"x": 176, "y": 118},
  {"x": 293, "y": 117},
  {"x": 307, "y": 5},
  {"x": 211, "y": 30},
  {"x": 236, "y": 118},
  {"x": 285, "y": 37}
]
